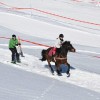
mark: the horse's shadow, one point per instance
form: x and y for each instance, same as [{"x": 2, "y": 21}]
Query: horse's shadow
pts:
[{"x": 63, "y": 68}]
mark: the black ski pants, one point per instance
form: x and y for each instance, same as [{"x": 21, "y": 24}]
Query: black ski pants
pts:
[{"x": 15, "y": 55}]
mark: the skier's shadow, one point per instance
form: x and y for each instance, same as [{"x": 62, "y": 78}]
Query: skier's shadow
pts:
[{"x": 63, "y": 68}]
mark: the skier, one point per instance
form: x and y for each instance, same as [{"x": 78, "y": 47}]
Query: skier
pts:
[
  {"x": 12, "y": 46},
  {"x": 58, "y": 43}
]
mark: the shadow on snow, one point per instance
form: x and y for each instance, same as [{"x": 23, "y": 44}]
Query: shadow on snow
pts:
[{"x": 63, "y": 68}]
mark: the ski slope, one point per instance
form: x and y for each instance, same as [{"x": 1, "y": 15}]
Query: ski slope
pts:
[{"x": 44, "y": 28}]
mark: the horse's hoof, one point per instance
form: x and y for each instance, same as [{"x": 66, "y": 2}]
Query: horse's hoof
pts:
[
  {"x": 68, "y": 75},
  {"x": 52, "y": 73}
]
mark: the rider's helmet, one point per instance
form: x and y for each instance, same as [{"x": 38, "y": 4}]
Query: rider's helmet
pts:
[{"x": 61, "y": 35}]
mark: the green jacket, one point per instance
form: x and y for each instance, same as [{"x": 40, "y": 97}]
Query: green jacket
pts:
[{"x": 13, "y": 43}]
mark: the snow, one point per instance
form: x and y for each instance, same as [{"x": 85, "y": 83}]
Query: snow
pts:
[
  {"x": 44, "y": 28},
  {"x": 32, "y": 27},
  {"x": 21, "y": 85},
  {"x": 33, "y": 64}
]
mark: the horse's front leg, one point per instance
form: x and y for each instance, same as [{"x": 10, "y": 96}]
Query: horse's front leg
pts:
[
  {"x": 57, "y": 65},
  {"x": 51, "y": 69},
  {"x": 68, "y": 70}
]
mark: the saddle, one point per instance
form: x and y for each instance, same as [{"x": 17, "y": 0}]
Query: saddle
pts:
[{"x": 52, "y": 51}]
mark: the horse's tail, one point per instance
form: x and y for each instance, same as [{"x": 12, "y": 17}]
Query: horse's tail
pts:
[{"x": 43, "y": 54}]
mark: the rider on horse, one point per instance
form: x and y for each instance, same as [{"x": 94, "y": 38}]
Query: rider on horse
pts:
[
  {"x": 56, "y": 49},
  {"x": 58, "y": 55},
  {"x": 58, "y": 43}
]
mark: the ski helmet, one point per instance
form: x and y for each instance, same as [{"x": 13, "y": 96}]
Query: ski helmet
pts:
[{"x": 14, "y": 35}]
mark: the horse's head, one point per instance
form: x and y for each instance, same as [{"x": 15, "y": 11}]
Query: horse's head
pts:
[{"x": 68, "y": 46}]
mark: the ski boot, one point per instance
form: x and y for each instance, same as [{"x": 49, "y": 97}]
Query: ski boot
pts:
[{"x": 14, "y": 62}]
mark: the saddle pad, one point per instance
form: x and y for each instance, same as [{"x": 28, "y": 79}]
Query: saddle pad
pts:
[{"x": 52, "y": 52}]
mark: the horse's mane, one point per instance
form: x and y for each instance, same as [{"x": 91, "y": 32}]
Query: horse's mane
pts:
[{"x": 66, "y": 43}]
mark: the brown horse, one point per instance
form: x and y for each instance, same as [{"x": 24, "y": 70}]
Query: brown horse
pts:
[{"x": 60, "y": 58}]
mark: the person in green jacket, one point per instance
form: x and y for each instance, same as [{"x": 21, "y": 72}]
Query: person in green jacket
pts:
[{"x": 12, "y": 46}]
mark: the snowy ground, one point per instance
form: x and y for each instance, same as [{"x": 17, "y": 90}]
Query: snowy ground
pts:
[
  {"x": 21, "y": 85},
  {"x": 32, "y": 79}
]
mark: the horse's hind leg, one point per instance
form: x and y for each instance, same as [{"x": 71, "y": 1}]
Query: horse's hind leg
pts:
[
  {"x": 68, "y": 71},
  {"x": 52, "y": 71}
]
